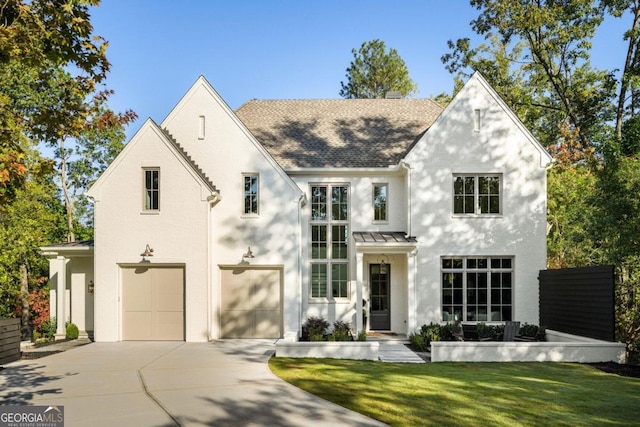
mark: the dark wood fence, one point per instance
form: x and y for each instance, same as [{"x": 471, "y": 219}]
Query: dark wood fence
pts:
[
  {"x": 579, "y": 301},
  {"x": 9, "y": 340}
]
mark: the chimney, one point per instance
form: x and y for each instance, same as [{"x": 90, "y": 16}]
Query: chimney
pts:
[{"x": 393, "y": 94}]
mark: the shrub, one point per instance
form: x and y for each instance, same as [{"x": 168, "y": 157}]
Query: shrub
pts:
[
  {"x": 422, "y": 339},
  {"x": 529, "y": 331},
  {"x": 491, "y": 332},
  {"x": 47, "y": 329},
  {"x": 362, "y": 336},
  {"x": 446, "y": 332},
  {"x": 72, "y": 331},
  {"x": 341, "y": 331},
  {"x": 314, "y": 329}
]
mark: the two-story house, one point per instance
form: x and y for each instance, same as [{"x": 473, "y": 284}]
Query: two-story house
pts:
[{"x": 221, "y": 224}]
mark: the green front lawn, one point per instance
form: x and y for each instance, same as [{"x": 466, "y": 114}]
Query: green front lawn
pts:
[{"x": 495, "y": 394}]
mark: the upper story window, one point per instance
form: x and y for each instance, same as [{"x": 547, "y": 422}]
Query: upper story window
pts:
[
  {"x": 151, "y": 189},
  {"x": 251, "y": 196},
  {"x": 477, "y": 194},
  {"x": 329, "y": 246},
  {"x": 380, "y": 202},
  {"x": 477, "y": 124}
]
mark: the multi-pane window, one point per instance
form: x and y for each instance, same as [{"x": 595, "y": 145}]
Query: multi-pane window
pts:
[
  {"x": 380, "y": 202},
  {"x": 477, "y": 288},
  {"x": 152, "y": 189},
  {"x": 476, "y": 194},
  {"x": 329, "y": 246},
  {"x": 250, "y": 194}
]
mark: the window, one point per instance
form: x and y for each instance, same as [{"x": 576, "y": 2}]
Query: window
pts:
[
  {"x": 250, "y": 194},
  {"x": 329, "y": 241},
  {"x": 201, "y": 127},
  {"x": 476, "y": 120},
  {"x": 152, "y": 189},
  {"x": 477, "y": 288},
  {"x": 380, "y": 202},
  {"x": 476, "y": 194}
]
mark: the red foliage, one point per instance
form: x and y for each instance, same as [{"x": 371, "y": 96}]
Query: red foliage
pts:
[{"x": 39, "y": 304}]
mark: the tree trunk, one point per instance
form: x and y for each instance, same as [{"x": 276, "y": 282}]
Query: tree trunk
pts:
[
  {"x": 68, "y": 203},
  {"x": 24, "y": 294},
  {"x": 626, "y": 73}
]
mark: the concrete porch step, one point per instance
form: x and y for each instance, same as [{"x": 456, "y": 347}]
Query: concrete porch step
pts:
[{"x": 397, "y": 352}]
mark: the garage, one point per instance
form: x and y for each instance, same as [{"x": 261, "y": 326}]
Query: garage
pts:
[
  {"x": 153, "y": 303},
  {"x": 250, "y": 303}
]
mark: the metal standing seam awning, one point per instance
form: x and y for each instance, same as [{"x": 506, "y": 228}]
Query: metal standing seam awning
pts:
[{"x": 392, "y": 241}]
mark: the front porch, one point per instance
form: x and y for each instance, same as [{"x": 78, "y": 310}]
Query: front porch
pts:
[{"x": 386, "y": 281}]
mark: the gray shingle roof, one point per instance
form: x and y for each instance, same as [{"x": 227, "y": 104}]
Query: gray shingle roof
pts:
[{"x": 352, "y": 133}]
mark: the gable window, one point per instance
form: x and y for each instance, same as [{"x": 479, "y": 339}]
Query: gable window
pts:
[
  {"x": 329, "y": 247},
  {"x": 476, "y": 120},
  {"x": 251, "y": 198},
  {"x": 380, "y": 202},
  {"x": 201, "y": 127},
  {"x": 151, "y": 189},
  {"x": 477, "y": 288},
  {"x": 477, "y": 194}
]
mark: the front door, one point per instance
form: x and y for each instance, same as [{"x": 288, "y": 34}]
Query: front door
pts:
[{"x": 380, "y": 312}]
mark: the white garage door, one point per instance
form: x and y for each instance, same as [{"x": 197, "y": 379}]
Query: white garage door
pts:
[
  {"x": 251, "y": 303},
  {"x": 153, "y": 303}
]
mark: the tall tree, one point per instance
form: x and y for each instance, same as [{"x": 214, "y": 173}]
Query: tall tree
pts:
[
  {"x": 374, "y": 71},
  {"x": 52, "y": 68}
]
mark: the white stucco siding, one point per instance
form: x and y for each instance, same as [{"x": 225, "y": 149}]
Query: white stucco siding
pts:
[
  {"x": 177, "y": 232},
  {"x": 500, "y": 146}
]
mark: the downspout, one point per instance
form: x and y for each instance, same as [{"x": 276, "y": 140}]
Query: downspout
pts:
[
  {"x": 212, "y": 200},
  {"x": 302, "y": 201},
  {"x": 407, "y": 166}
]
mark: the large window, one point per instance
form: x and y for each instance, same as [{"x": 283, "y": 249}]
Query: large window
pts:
[
  {"x": 329, "y": 246},
  {"x": 250, "y": 194},
  {"x": 476, "y": 194},
  {"x": 151, "y": 189},
  {"x": 477, "y": 288},
  {"x": 380, "y": 202}
]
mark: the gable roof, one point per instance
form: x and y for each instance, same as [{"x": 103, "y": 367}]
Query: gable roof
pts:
[
  {"x": 170, "y": 142},
  {"x": 335, "y": 133}
]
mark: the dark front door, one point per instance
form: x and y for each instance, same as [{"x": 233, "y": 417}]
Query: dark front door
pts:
[{"x": 380, "y": 313}]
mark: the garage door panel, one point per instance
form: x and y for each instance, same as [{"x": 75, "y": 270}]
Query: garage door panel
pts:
[
  {"x": 267, "y": 323},
  {"x": 137, "y": 325},
  {"x": 136, "y": 298},
  {"x": 266, "y": 289},
  {"x": 153, "y": 303},
  {"x": 251, "y": 303},
  {"x": 236, "y": 292},
  {"x": 170, "y": 325},
  {"x": 237, "y": 324}
]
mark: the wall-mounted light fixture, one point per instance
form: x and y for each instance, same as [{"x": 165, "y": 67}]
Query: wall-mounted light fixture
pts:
[
  {"x": 147, "y": 252},
  {"x": 383, "y": 260},
  {"x": 248, "y": 254},
  {"x": 90, "y": 287}
]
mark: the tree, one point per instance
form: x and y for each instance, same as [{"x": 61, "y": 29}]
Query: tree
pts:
[
  {"x": 51, "y": 71},
  {"x": 375, "y": 71}
]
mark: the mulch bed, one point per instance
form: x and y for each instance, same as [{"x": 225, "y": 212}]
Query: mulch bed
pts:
[
  {"x": 30, "y": 355},
  {"x": 617, "y": 368}
]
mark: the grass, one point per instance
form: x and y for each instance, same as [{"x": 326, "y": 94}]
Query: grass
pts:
[{"x": 456, "y": 394}]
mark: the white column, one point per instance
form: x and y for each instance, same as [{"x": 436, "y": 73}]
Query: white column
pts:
[
  {"x": 411, "y": 291},
  {"x": 79, "y": 284},
  {"x": 61, "y": 291},
  {"x": 359, "y": 285}
]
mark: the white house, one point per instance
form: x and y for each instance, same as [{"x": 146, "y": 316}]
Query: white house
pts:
[{"x": 220, "y": 224}]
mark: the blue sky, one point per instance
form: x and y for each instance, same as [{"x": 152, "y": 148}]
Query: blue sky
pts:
[{"x": 280, "y": 48}]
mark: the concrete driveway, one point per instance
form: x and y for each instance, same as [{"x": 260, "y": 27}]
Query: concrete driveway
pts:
[{"x": 220, "y": 383}]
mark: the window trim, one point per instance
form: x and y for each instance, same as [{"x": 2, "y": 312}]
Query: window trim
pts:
[
  {"x": 490, "y": 270},
  {"x": 202, "y": 126},
  {"x": 246, "y": 214},
  {"x": 150, "y": 209},
  {"x": 386, "y": 202},
  {"x": 329, "y": 223},
  {"x": 476, "y": 195}
]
